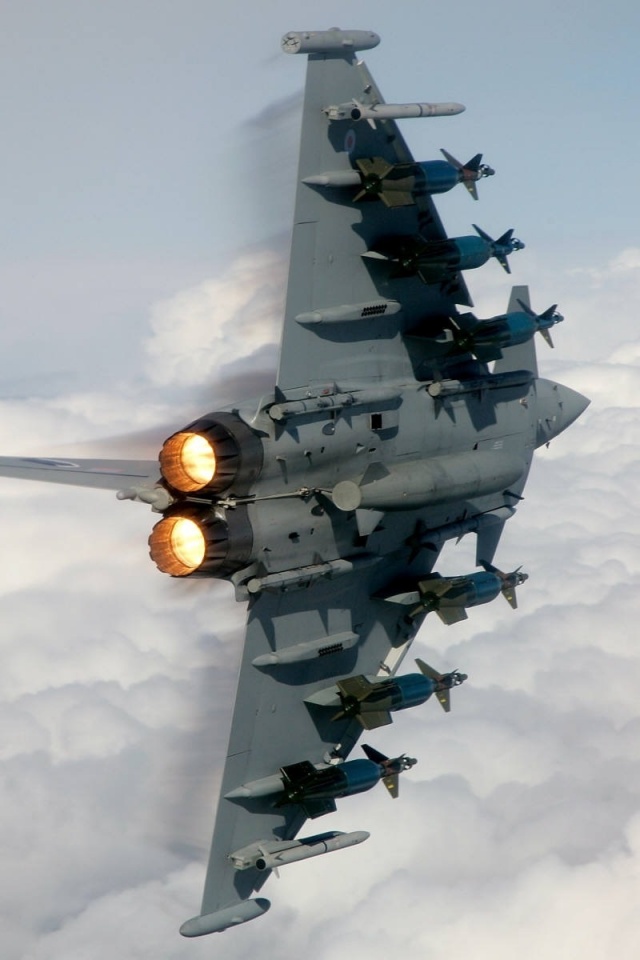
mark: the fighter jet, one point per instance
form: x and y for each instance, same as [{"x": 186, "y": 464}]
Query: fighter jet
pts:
[{"x": 339, "y": 488}]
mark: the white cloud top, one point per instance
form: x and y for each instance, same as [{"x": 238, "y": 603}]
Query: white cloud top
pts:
[{"x": 517, "y": 833}]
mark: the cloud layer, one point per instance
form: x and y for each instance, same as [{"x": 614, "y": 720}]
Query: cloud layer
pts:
[{"x": 519, "y": 830}]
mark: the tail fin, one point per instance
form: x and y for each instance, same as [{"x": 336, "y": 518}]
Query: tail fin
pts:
[
  {"x": 509, "y": 582},
  {"x": 545, "y": 320},
  {"x": 390, "y": 768},
  {"x": 375, "y": 755},
  {"x": 444, "y": 698},
  {"x": 469, "y": 172},
  {"x": 444, "y": 682}
]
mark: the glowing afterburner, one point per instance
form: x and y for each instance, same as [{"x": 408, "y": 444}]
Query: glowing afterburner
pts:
[
  {"x": 213, "y": 454},
  {"x": 188, "y": 462},
  {"x": 177, "y": 546}
]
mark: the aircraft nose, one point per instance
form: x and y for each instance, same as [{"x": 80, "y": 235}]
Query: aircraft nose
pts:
[{"x": 558, "y": 407}]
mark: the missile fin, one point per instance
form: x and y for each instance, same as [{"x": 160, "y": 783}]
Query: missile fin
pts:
[
  {"x": 481, "y": 233},
  {"x": 467, "y": 322},
  {"x": 444, "y": 699},
  {"x": 450, "y": 615},
  {"x": 373, "y": 754},
  {"x": 510, "y": 596},
  {"x": 428, "y": 671},
  {"x": 317, "y": 808},
  {"x": 358, "y": 687},
  {"x": 474, "y": 164},
  {"x": 435, "y": 585},
  {"x": 505, "y": 238},
  {"x": 451, "y": 159},
  {"x": 392, "y": 783},
  {"x": 370, "y": 719}
]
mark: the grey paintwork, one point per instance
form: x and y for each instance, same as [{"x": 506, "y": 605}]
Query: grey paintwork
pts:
[{"x": 377, "y": 445}]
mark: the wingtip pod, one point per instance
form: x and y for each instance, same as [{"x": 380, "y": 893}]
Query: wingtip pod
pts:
[
  {"x": 227, "y": 917},
  {"x": 329, "y": 43}
]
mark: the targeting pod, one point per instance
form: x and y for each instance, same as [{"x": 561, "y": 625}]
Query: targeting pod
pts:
[{"x": 210, "y": 455}]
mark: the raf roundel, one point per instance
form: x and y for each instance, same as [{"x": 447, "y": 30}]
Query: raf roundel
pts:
[{"x": 350, "y": 141}]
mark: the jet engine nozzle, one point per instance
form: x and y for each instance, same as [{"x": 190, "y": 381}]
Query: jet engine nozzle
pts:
[
  {"x": 210, "y": 455},
  {"x": 192, "y": 541}
]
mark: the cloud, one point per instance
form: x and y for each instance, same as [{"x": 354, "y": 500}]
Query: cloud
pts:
[
  {"x": 517, "y": 832},
  {"x": 201, "y": 331}
]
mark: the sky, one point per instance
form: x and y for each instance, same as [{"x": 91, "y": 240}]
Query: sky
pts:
[{"x": 146, "y": 189}]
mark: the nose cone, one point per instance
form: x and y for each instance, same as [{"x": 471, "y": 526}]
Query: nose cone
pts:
[{"x": 558, "y": 407}]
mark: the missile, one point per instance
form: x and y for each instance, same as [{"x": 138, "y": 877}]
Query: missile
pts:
[
  {"x": 487, "y": 338},
  {"x": 440, "y": 389},
  {"x": 271, "y": 854},
  {"x": 355, "y": 110},
  {"x": 371, "y": 700},
  {"x": 316, "y": 791},
  {"x": 332, "y": 401},
  {"x": 315, "y": 788},
  {"x": 437, "y": 261},
  {"x": 450, "y": 596},
  {"x": 468, "y": 173},
  {"x": 397, "y": 183}
]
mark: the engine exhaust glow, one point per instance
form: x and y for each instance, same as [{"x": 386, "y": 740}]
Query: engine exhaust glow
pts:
[
  {"x": 188, "y": 462},
  {"x": 177, "y": 546}
]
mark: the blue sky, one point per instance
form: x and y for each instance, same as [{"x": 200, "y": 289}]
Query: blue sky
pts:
[
  {"x": 149, "y": 153},
  {"x": 132, "y": 169}
]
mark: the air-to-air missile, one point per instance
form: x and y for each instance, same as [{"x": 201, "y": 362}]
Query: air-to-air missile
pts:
[
  {"x": 437, "y": 261},
  {"x": 397, "y": 184},
  {"x": 355, "y": 110},
  {"x": 271, "y": 854},
  {"x": 486, "y": 338},
  {"x": 316, "y": 788},
  {"x": 450, "y": 596},
  {"x": 371, "y": 700}
]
